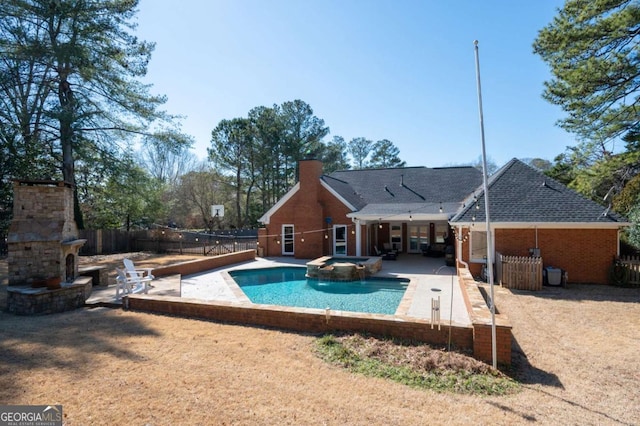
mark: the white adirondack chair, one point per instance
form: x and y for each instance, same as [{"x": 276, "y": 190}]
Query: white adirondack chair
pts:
[
  {"x": 126, "y": 285},
  {"x": 138, "y": 274},
  {"x": 132, "y": 280}
]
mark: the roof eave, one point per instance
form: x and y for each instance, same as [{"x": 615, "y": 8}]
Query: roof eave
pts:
[
  {"x": 403, "y": 217},
  {"x": 545, "y": 225}
]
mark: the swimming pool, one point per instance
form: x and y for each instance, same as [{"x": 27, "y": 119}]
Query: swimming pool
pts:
[{"x": 288, "y": 286}]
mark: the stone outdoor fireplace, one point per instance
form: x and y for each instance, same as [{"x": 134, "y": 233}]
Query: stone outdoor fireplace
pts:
[{"x": 43, "y": 242}]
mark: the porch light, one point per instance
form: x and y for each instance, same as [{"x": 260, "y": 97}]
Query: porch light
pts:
[
  {"x": 302, "y": 238},
  {"x": 326, "y": 236}
]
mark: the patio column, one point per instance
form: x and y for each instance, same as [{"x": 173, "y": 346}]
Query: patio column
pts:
[{"x": 358, "y": 238}]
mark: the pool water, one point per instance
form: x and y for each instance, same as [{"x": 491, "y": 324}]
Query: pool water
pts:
[{"x": 287, "y": 286}]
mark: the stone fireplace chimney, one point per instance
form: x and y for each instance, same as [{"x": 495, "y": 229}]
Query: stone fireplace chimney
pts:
[{"x": 43, "y": 238}]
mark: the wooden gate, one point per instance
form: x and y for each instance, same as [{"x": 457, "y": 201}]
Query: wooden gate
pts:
[{"x": 519, "y": 272}]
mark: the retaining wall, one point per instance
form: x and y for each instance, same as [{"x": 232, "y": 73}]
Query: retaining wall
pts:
[{"x": 309, "y": 320}]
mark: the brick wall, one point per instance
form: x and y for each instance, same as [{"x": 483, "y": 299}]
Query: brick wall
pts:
[
  {"x": 586, "y": 254},
  {"x": 308, "y": 210},
  {"x": 481, "y": 319},
  {"x": 308, "y": 320}
]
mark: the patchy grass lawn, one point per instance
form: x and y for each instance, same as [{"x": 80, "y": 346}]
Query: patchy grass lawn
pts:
[
  {"x": 416, "y": 365},
  {"x": 575, "y": 361}
]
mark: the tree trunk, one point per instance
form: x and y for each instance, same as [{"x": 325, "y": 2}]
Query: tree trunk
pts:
[{"x": 238, "y": 192}]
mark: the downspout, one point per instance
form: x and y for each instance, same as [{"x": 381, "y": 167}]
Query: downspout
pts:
[{"x": 459, "y": 251}]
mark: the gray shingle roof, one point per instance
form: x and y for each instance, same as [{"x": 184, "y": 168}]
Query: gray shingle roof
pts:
[
  {"x": 520, "y": 193},
  {"x": 408, "y": 185}
]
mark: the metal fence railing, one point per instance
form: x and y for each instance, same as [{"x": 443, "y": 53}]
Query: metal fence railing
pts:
[
  {"x": 167, "y": 241},
  {"x": 206, "y": 246}
]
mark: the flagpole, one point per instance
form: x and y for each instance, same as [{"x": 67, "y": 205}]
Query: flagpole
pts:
[{"x": 486, "y": 209}]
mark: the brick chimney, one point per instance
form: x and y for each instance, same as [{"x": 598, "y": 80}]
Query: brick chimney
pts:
[
  {"x": 43, "y": 236},
  {"x": 307, "y": 210},
  {"x": 310, "y": 172}
]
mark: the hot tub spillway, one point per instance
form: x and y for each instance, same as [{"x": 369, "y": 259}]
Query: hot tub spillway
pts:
[{"x": 336, "y": 271}]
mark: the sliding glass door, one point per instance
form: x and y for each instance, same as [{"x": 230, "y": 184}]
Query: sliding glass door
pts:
[{"x": 418, "y": 238}]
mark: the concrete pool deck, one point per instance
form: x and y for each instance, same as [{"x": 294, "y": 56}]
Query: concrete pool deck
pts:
[{"x": 429, "y": 277}]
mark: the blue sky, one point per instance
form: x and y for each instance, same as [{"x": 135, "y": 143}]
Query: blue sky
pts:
[{"x": 401, "y": 70}]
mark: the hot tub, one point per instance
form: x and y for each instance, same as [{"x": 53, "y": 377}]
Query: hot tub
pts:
[{"x": 343, "y": 268}]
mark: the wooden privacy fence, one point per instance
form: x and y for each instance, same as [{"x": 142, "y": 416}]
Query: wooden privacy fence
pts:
[
  {"x": 164, "y": 241},
  {"x": 519, "y": 272},
  {"x": 105, "y": 241},
  {"x": 629, "y": 274}
]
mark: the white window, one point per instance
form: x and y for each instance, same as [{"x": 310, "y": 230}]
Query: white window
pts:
[
  {"x": 478, "y": 246},
  {"x": 340, "y": 240},
  {"x": 287, "y": 239}
]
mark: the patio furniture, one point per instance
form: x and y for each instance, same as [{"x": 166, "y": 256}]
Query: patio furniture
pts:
[
  {"x": 388, "y": 249},
  {"x": 391, "y": 255},
  {"x": 127, "y": 285},
  {"x": 139, "y": 273}
]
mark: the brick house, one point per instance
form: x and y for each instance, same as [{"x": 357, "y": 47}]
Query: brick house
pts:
[
  {"x": 531, "y": 212},
  {"x": 418, "y": 210}
]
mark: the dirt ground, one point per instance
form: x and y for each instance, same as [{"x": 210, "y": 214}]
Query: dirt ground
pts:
[{"x": 576, "y": 352}]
